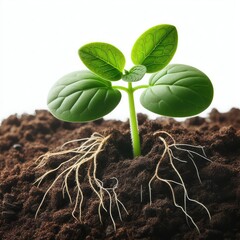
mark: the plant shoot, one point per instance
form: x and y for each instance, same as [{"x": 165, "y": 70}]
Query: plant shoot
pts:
[{"x": 174, "y": 90}]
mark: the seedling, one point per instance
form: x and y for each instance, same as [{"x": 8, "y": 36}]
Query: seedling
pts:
[{"x": 176, "y": 90}]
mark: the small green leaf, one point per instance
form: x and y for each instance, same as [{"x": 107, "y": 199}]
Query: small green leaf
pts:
[
  {"x": 178, "y": 91},
  {"x": 103, "y": 59},
  {"x": 82, "y": 96},
  {"x": 155, "y": 48},
  {"x": 135, "y": 74}
]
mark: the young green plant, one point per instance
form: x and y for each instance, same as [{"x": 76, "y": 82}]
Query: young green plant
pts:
[{"x": 174, "y": 90}]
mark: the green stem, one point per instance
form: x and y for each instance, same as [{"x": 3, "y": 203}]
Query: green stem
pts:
[
  {"x": 120, "y": 88},
  {"x": 133, "y": 123},
  {"x": 139, "y": 87}
]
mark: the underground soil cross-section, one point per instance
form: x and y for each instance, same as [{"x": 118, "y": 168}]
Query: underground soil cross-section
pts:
[{"x": 143, "y": 215}]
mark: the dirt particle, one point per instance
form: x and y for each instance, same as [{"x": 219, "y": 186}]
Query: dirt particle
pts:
[
  {"x": 62, "y": 216},
  {"x": 7, "y": 184},
  {"x": 17, "y": 146},
  {"x": 220, "y": 173}
]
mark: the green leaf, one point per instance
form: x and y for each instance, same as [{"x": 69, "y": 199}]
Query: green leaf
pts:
[
  {"x": 155, "y": 48},
  {"x": 103, "y": 59},
  {"x": 178, "y": 91},
  {"x": 82, "y": 96},
  {"x": 135, "y": 74}
]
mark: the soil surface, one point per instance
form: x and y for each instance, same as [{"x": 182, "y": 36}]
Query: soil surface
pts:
[{"x": 24, "y": 138}]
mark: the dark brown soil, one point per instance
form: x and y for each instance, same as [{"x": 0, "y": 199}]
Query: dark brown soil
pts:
[{"x": 23, "y": 139}]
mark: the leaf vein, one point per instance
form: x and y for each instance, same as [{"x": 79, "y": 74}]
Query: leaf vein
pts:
[{"x": 159, "y": 43}]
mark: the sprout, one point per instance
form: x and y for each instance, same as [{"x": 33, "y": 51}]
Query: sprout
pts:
[{"x": 174, "y": 90}]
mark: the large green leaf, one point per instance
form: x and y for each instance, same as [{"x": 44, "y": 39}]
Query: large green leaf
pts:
[
  {"x": 103, "y": 59},
  {"x": 155, "y": 48},
  {"x": 82, "y": 96},
  {"x": 178, "y": 91}
]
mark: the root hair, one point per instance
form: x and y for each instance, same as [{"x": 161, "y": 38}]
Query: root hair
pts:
[
  {"x": 85, "y": 153},
  {"x": 192, "y": 153}
]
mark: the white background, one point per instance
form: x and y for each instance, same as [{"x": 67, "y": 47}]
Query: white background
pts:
[{"x": 39, "y": 40}]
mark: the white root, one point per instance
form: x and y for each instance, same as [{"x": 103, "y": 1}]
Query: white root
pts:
[
  {"x": 191, "y": 151},
  {"x": 85, "y": 153}
]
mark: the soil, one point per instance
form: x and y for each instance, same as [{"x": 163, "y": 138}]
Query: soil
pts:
[{"x": 24, "y": 138}]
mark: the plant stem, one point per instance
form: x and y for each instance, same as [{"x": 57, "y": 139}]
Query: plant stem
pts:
[
  {"x": 139, "y": 87},
  {"x": 133, "y": 123}
]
